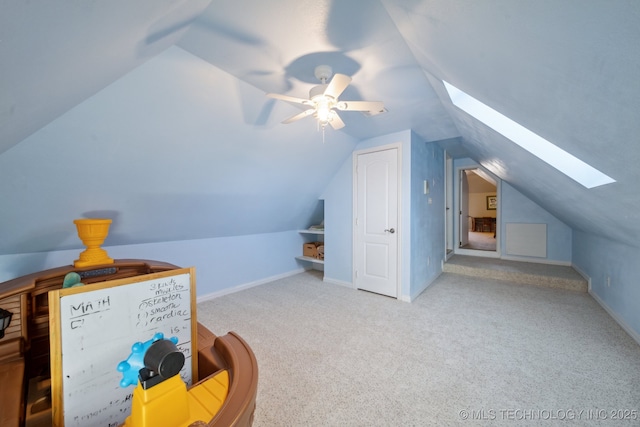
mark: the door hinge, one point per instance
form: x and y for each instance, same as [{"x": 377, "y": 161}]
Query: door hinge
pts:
[
  {"x": 356, "y": 274},
  {"x": 356, "y": 221}
]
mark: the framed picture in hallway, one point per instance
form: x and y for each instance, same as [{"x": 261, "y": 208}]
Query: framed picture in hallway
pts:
[{"x": 492, "y": 202}]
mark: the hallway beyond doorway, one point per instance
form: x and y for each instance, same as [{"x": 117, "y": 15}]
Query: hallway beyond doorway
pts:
[{"x": 481, "y": 241}]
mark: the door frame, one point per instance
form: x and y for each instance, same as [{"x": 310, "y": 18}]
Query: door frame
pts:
[
  {"x": 449, "y": 204},
  {"x": 463, "y": 208},
  {"x": 354, "y": 211},
  {"x": 472, "y": 252}
]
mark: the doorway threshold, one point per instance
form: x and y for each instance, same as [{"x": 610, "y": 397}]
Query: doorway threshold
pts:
[{"x": 477, "y": 253}]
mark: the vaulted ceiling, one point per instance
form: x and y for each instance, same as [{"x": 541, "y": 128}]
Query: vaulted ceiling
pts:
[{"x": 154, "y": 111}]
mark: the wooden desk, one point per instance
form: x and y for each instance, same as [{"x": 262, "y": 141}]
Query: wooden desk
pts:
[{"x": 484, "y": 224}]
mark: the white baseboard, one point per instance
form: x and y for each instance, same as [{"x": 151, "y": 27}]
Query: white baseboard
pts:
[
  {"x": 338, "y": 282},
  {"x": 633, "y": 334},
  {"x": 411, "y": 298},
  {"x": 584, "y": 275},
  {"x": 242, "y": 287}
]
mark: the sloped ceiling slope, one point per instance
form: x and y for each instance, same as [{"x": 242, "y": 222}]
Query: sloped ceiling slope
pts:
[
  {"x": 174, "y": 146},
  {"x": 566, "y": 70},
  {"x": 159, "y": 153},
  {"x": 153, "y": 112},
  {"x": 54, "y": 55},
  {"x": 275, "y": 46}
]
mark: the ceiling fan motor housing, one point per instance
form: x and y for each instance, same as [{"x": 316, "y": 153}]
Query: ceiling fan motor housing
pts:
[
  {"x": 323, "y": 73},
  {"x": 318, "y": 91}
]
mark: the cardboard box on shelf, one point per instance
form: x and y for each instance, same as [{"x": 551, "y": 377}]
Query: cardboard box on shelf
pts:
[{"x": 310, "y": 249}]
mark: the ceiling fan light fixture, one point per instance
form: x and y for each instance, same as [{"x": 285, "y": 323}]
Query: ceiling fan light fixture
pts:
[
  {"x": 323, "y": 111},
  {"x": 323, "y": 100}
]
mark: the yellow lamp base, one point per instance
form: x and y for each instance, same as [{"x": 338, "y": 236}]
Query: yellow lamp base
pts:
[
  {"x": 91, "y": 257},
  {"x": 92, "y": 232}
]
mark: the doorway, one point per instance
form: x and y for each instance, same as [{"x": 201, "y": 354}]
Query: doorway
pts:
[
  {"x": 377, "y": 220},
  {"x": 449, "y": 216},
  {"x": 478, "y": 220}
]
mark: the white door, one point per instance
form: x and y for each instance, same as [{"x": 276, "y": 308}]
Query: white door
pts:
[
  {"x": 463, "y": 230},
  {"x": 376, "y": 239}
]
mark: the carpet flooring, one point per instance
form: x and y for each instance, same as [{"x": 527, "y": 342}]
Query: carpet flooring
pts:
[
  {"x": 481, "y": 241},
  {"x": 537, "y": 274},
  {"x": 467, "y": 352}
]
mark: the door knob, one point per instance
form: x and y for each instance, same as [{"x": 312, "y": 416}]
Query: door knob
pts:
[{"x": 390, "y": 230}]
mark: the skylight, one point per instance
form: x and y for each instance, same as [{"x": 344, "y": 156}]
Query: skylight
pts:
[{"x": 566, "y": 163}]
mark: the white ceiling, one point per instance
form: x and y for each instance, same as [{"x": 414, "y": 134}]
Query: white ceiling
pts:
[{"x": 568, "y": 70}]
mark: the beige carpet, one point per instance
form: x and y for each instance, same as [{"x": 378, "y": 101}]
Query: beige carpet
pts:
[
  {"x": 498, "y": 353},
  {"x": 481, "y": 241}
]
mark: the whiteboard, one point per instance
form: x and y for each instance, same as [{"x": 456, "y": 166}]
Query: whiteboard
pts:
[{"x": 93, "y": 328}]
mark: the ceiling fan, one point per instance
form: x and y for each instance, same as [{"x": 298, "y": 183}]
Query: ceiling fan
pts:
[{"x": 323, "y": 100}]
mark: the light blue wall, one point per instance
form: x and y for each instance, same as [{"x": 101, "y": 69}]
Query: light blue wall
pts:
[
  {"x": 427, "y": 219},
  {"x": 221, "y": 263},
  {"x": 338, "y": 230},
  {"x": 171, "y": 151},
  {"x": 517, "y": 208},
  {"x": 514, "y": 207},
  {"x": 599, "y": 259}
]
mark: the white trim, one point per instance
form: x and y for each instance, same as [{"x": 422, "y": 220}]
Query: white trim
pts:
[
  {"x": 537, "y": 260},
  {"x": 411, "y": 298},
  {"x": 234, "y": 289},
  {"x": 584, "y": 275},
  {"x": 476, "y": 252},
  {"x": 449, "y": 215},
  {"x": 628, "y": 329},
  {"x": 355, "y": 154},
  {"x": 456, "y": 215},
  {"x": 338, "y": 282}
]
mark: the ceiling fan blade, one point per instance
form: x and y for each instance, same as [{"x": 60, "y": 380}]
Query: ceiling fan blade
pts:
[
  {"x": 374, "y": 107},
  {"x": 288, "y": 98},
  {"x": 335, "y": 121},
  {"x": 299, "y": 116},
  {"x": 338, "y": 84}
]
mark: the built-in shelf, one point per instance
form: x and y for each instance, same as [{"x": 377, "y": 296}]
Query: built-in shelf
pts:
[
  {"x": 312, "y": 260},
  {"x": 308, "y": 258},
  {"x": 311, "y": 231}
]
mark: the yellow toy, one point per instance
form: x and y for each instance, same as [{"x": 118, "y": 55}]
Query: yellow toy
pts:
[
  {"x": 92, "y": 232},
  {"x": 161, "y": 397}
]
